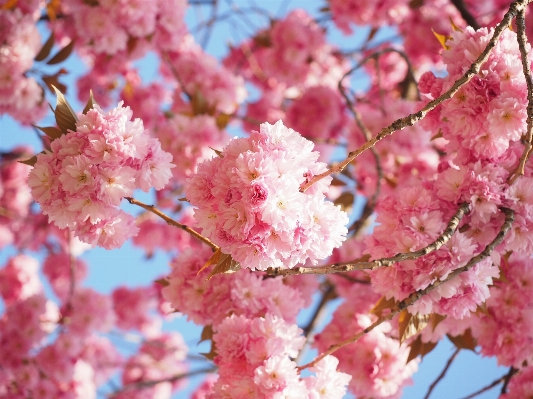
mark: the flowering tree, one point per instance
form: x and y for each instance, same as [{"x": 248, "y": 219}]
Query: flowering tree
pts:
[{"x": 432, "y": 148}]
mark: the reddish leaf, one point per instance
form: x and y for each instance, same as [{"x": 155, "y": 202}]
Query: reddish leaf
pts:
[
  {"x": 52, "y": 81},
  {"x": 52, "y": 132},
  {"x": 45, "y": 50},
  {"x": 345, "y": 200},
  {"x": 162, "y": 281},
  {"x": 464, "y": 341},
  {"x": 66, "y": 118},
  {"x": 213, "y": 260},
  {"x": 30, "y": 161},
  {"x": 383, "y": 304},
  {"x": 419, "y": 348},
  {"x": 226, "y": 265},
  {"x": 90, "y": 104},
  {"x": 410, "y": 325},
  {"x": 62, "y": 54},
  {"x": 207, "y": 333}
]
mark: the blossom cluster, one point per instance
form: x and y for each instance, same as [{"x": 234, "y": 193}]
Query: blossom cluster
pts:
[
  {"x": 249, "y": 201},
  {"x": 81, "y": 180},
  {"x": 258, "y": 351},
  {"x": 20, "y": 95}
]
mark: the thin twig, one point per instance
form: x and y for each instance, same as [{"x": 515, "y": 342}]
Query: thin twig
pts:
[
  {"x": 443, "y": 373},
  {"x": 411, "y": 119},
  {"x": 172, "y": 222},
  {"x": 347, "y": 267},
  {"x": 328, "y": 295},
  {"x": 522, "y": 40},
  {"x": 72, "y": 266},
  {"x": 508, "y": 376},
  {"x": 486, "y": 388},
  {"x": 209, "y": 30},
  {"x": 467, "y": 16},
  {"x": 415, "y": 296},
  {"x": 151, "y": 383}
]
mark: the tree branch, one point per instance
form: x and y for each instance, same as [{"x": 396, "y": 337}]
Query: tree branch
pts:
[
  {"x": 411, "y": 119},
  {"x": 347, "y": 267},
  {"x": 487, "y": 388},
  {"x": 522, "y": 40},
  {"x": 467, "y": 16},
  {"x": 172, "y": 222},
  {"x": 415, "y": 296},
  {"x": 443, "y": 373}
]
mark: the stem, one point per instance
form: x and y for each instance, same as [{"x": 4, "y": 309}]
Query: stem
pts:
[
  {"x": 347, "y": 267},
  {"x": 522, "y": 40},
  {"x": 415, "y": 296},
  {"x": 508, "y": 376},
  {"x": 172, "y": 222},
  {"x": 411, "y": 119},
  {"x": 487, "y": 388},
  {"x": 443, "y": 373},
  {"x": 467, "y": 16}
]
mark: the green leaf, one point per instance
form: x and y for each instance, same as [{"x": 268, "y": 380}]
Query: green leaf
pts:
[
  {"x": 52, "y": 132},
  {"x": 62, "y": 54},
  {"x": 66, "y": 118},
  {"x": 45, "y": 50},
  {"x": 90, "y": 103}
]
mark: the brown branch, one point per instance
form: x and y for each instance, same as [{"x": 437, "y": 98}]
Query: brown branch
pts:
[
  {"x": 151, "y": 383},
  {"x": 415, "y": 296},
  {"x": 411, "y": 119},
  {"x": 522, "y": 40},
  {"x": 508, "y": 376},
  {"x": 467, "y": 16},
  {"x": 172, "y": 222},
  {"x": 347, "y": 267},
  {"x": 72, "y": 265},
  {"x": 487, "y": 388},
  {"x": 443, "y": 373},
  {"x": 327, "y": 296}
]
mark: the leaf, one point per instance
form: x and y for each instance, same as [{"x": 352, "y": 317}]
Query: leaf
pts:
[
  {"x": 419, "y": 348},
  {"x": 32, "y": 161},
  {"x": 435, "y": 319},
  {"x": 345, "y": 200},
  {"x": 132, "y": 43},
  {"x": 45, "y": 50},
  {"x": 437, "y": 136},
  {"x": 207, "y": 333},
  {"x": 9, "y": 5},
  {"x": 223, "y": 120},
  {"x": 52, "y": 132},
  {"x": 212, "y": 353},
  {"x": 90, "y": 103},
  {"x": 162, "y": 281},
  {"x": 324, "y": 9},
  {"x": 65, "y": 116},
  {"x": 184, "y": 199},
  {"x": 409, "y": 88},
  {"x": 455, "y": 28},
  {"x": 199, "y": 104},
  {"x": 226, "y": 265},
  {"x": 383, "y": 304},
  {"x": 337, "y": 182},
  {"x": 372, "y": 33},
  {"x": 413, "y": 4},
  {"x": 483, "y": 309},
  {"x": 464, "y": 341},
  {"x": 219, "y": 153},
  {"x": 442, "y": 39},
  {"x": 213, "y": 260},
  {"x": 62, "y": 54},
  {"x": 410, "y": 325},
  {"x": 52, "y": 81},
  {"x": 52, "y": 8}
]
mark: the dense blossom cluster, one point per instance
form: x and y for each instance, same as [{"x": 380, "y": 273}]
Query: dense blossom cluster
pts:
[
  {"x": 20, "y": 95},
  {"x": 80, "y": 182},
  {"x": 250, "y": 201},
  {"x": 250, "y": 204},
  {"x": 258, "y": 351}
]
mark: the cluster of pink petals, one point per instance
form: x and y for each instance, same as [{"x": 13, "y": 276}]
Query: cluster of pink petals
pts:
[
  {"x": 407, "y": 156},
  {"x": 377, "y": 361},
  {"x": 249, "y": 201},
  {"x": 292, "y": 54},
  {"x": 80, "y": 182},
  {"x": 191, "y": 141},
  {"x": 243, "y": 293},
  {"x": 111, "y": 26},
  {"x": 20, "y": 95},
  {"x": 200, "y": 73},
  {"x": 259, "y": 351},
  {"x": 15, "y": 198}
]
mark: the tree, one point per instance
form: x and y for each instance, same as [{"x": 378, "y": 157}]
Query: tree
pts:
[{"x": 408, "y": 198}]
